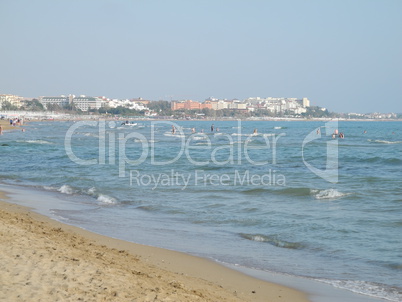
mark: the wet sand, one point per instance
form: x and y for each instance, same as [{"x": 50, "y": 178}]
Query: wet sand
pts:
[{"x": 45, "y": 260}]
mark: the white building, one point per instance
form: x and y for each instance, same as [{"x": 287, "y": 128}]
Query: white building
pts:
[
  {"x": 85, "y": 103},
  {"x": 219, "y": 104},
  {"x": 14, "y": 100},
  {"x": 55, "y": 100}
]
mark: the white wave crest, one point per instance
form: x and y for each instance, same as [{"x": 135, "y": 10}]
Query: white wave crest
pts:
[
  {"x": 49, "y": 188},
  {"x": 106, "y": 199},
  {"x": 198, "y": 138},
  {"x": 66, "y": 189},
  {"x": 366, "y": 288},
  {"x": 379, "y": 141},
  {"x": 91, "y": 191},
  {"x": 240, "y": 134},
  {"x": 91, "y": 134},
  {"x": 327, "y": 194},
  {"x": 173, "y": 135},
  {"x": 258, "y": 238},
  {"x": 37, "y": 141},
  {"x": 140, "y": 140}
]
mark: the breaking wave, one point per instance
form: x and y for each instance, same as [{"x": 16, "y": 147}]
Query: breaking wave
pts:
[
  {"x": 173, "y": 135},
  {"x": 327, "y": 194},
  {"x": 367, "y": 288},
  {"x": 380, "y": 141},
  {"x": 273, "y": 240},
  {"x": 106, "y": 199},
  {"x": 66, "y": 189},
  {"x": 36, "y": 141}
]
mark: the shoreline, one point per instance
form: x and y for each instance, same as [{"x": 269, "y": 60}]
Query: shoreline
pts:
[
  {"x": 55, "y": 116},
  {"x": 297, "y": 283},
  {"x": 7, "y": 127},
  {"x": 37, "y": 241}
]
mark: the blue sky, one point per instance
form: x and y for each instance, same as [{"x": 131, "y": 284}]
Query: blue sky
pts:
[{"x": 342, "y": 55}]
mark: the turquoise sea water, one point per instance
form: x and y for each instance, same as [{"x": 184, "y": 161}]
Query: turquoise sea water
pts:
[{"x": 288, "y": 199}]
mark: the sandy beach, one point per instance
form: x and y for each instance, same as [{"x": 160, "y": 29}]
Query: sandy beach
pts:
[
  {"x": 45, "y": 260},
  {"x": 5, "y": 124}
]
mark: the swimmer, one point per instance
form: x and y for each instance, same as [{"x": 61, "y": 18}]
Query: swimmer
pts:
[
  {"x": 173, "y": 129},
  {"x": 193, "y": 130},
  {"x": 212, "y": 128},
  {"x": 255, "y": 131}
]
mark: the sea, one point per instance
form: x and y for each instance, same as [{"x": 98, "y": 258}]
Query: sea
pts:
[{"x": 288, "y": 198}]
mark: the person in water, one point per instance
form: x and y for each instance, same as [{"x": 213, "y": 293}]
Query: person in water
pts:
[
  {"x": 255, "y": 131},
  {"x": 173, "y": 129},
  {"x": 341, "y": 135},
  {"x": 193, "y": 130},
  {"x": 212, "y": 128}
]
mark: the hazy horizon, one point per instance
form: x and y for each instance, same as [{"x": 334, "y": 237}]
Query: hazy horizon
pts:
[{"x": 344, "y": 56}]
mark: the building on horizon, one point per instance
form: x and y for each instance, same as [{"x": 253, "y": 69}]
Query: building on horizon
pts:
[
  {"x": 56, "y": 100},
  {"x": 140, "y": 101},
  {"x": 14, "y": 100},
  {"x": 84, "y": 103},
  {"x": 190, "y": 105}
]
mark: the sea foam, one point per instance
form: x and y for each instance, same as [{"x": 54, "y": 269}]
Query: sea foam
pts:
[
  {"x": 380, "y": 141},
  {"x": 106, "y": 199},
  {"x": 66, "y": 189},
  {"x": 273, "y": 240},
  {"x": 327, "y": 194},
  {"x": 37, "y": 141},
  {"x": 366, "y": 288}
]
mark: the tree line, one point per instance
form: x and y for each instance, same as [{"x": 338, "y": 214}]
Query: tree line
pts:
[{"x": 163, "y": 108}]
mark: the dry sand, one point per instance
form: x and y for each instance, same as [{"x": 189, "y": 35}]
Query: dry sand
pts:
[
  {"x": 44, "y": 260},
  {"x": 5, "y": 124}
]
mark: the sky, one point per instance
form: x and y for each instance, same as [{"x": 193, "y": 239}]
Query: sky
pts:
[{"x": 344, "y": 55}]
